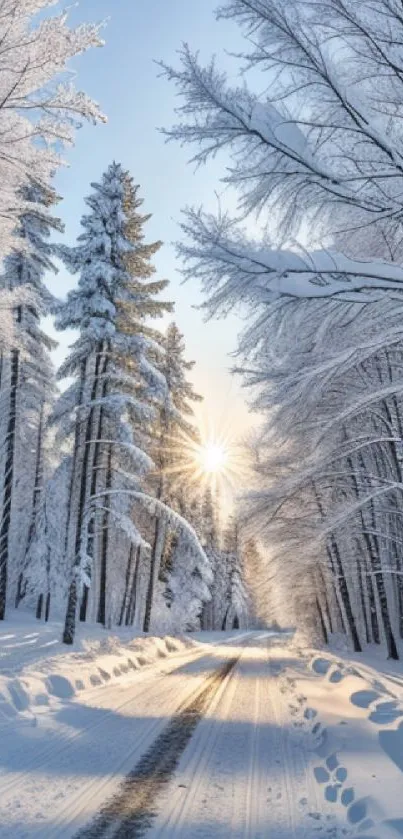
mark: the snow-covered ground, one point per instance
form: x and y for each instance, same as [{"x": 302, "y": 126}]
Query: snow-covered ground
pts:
[{"x": 238, "y": 734}]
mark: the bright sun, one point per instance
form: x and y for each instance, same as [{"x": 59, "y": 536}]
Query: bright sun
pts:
[{"x": 213, "y": 457}]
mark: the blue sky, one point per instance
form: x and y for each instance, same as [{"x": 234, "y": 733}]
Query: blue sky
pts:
[{"x": 124, "y": 79}]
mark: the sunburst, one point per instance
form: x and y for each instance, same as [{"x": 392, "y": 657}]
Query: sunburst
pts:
[{"x": 213, "y": 460}]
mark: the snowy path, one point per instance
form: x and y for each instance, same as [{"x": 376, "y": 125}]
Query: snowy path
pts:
[{"x": 248, "y": 738}]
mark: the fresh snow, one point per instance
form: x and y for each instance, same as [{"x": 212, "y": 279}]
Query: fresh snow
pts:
[{"x": 292, "y": 743}]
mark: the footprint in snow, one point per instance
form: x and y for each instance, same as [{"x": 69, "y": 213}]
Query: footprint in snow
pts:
[
  {"x": 381, "y": 713},
  {"x": 336, "y": 676},
  {"x": 333, "y": 776},
  {"x": 364, "y": 698},
  {"x": 273, "y": 796},
  {"x": 386, "y": 712},
  {"x": 321, "y": 666},
  {"x": 320, "y": 738}
]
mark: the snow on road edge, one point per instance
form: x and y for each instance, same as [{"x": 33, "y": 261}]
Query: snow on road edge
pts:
[{"x": 40, "y": 685}]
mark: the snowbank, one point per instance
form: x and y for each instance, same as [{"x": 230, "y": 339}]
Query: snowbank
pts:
[{"x": 37, "y": 671}]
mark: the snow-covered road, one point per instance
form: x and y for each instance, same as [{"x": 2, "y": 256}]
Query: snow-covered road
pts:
[{"x": 243, "y": 736}]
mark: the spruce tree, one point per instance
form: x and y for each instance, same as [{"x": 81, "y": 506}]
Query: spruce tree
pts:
[
  {"x": 174, "y": 436},
  {"x": 110, "y": 406},
  {"x": 235, "y": 604},
  {"x": 27, "y": 389},
  {"x": 172, "y": 433},
  {"x": 211, "y": 543}
]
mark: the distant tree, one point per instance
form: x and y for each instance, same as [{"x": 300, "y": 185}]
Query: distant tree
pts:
[
  {"x": 257, "y": 584},
  {"x": 188, "y": 576},
  {"x": 210, "y": 530},
  {"x": 174, "y": 434},
  {"x": 234, "y": 603}
]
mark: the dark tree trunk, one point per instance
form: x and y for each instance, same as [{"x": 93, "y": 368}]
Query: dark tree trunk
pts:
[
  {"x": 322, "y": 622},
  {"x": 105, "y": 542},
  {"x": 127, "y": 583},
  {"x": 374, "y": 552},
  {"x": 84, "y": 604},
  {"x": 362, "y": 597},
  {"x": 345, "y": 596},
  {"x": 370, "y": 589},
  {"x": 70, "y": 620},
  {"x": 47, "y": 607},
  {"x": 8, "y": 482},
  {"x": 326, "y": 607},
  {"x": 21, "y": 589},
  {"x": 39, "y": 607},
  {"x": 38, "y": 484},
  {"x": 131, "y": 609}
]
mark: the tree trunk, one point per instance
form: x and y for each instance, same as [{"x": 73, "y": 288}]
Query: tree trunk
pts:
[
  {"x": 39, "y": 607},
  {"x": 322, "y": 622},
  {"x": 8, "y": 482},
  {"x": 36, "y": 494},
  {"x": 95, "y": 467},
  {"x": 340, "y": 579},
  {"x": 361, "y": 574},
  {"x": 47, "y": 607},
  {"x": 105, "y": 542},
  {"x": 70, "y": 620},
  {"x": 84, "y": 604},
  {"x": 374, "y": 548},
  {"x": 131, "y": 609},
  {"x": 127, "y": 583},
  {"x": 156, "y": 554}
]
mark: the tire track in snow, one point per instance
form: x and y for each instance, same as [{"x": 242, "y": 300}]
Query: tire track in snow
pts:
[
  {"x": 130, "y": 813},
  {"x": 252, "y": 818},
  {"x": 68, "y": 739},
  {"x": 219, "y": 786},
  {"x": 204, "y": 749}
]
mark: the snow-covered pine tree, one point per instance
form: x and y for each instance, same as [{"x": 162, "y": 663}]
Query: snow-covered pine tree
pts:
[
  {"x": 235, "y": 606},
  {"x": 211, "y": 541},
  {"x": 257, "y": 584},
  {"x": 137, "y": 318},
  {"x": 46, "y": 574},
  {"x": 174, "y": 435},
  {"x": 108, "y": 409},
  {"x": 27, "y": 389},
  {"x": 188, "y": 578}
]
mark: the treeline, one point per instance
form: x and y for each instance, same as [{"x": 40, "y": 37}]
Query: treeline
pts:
[
  {"x": 100, "y": 517},
  {"x": 97, "y": 518}
]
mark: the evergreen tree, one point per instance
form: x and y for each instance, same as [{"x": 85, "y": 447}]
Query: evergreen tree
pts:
[
  {"x": 108, "y": 409},
  {"x": 187, "y": 575},
  {"x": 211, "y": 544},
  {"x": 235, "y": 603},
  {"x": 173, "y": 435},
  {"x": 257, "y": 583},
  {"x": 27, "y": 389}
]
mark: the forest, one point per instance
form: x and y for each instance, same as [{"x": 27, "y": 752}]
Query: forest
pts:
[
  {"x": 101, "y": 517},
  {"x": 100, "y": 520}
]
